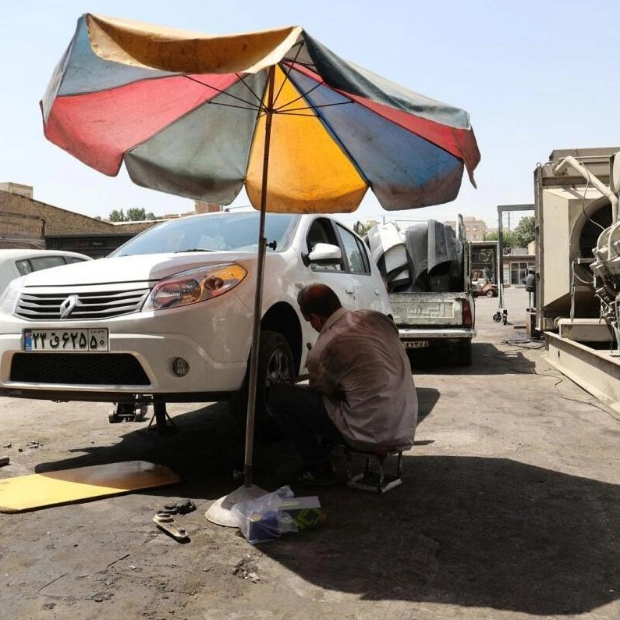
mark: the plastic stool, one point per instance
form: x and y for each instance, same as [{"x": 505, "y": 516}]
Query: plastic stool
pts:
[{"x": 374, "y": 479}]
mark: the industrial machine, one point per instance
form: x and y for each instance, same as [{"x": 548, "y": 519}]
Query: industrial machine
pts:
[
  {"x": 606, "y": 266},
  {"x": 578, "y": 267}
]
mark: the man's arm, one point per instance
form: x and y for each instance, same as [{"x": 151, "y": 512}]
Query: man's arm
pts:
[{"x": 324, "y": 375}]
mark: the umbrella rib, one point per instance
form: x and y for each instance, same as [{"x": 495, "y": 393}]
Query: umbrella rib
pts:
[
  {"x": 301, "y": 96},
  {"x": 232, "y": 105},
  {"x": 257, "y": 105},
  {"x": 296, "y": 111},
  {"x": 287, "y": 67},
  {"x": 251, "y": 91}
]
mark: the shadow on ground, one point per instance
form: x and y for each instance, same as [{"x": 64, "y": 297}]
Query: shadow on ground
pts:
[
  {"x": 473, "y": 532},
  {"x": 487, "y": 359},
  {"x": 206, "y": 450}
]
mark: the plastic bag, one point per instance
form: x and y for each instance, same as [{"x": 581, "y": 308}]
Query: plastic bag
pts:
[{"x": 260, "y": 520}]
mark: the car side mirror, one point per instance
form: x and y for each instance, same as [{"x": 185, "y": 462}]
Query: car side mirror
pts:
[{"x": 325, "y": 253}]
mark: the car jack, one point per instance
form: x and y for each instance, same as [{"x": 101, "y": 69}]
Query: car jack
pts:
[
  {"x": 163, "y": 422},
  {"x": 128, "y": 412}
]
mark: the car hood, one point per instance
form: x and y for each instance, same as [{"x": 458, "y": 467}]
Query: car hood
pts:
[{"x": 142, "y": 268}]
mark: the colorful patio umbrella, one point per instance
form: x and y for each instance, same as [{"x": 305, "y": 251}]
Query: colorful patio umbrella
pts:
[{"x": 275, "y": 112}]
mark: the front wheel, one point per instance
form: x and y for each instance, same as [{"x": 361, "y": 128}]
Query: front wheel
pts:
[{"x": 275, "y": 365}]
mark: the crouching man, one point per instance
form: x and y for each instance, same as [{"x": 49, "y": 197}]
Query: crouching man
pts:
[{"x": 361, "y": 392}]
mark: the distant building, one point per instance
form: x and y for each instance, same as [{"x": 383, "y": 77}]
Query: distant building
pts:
[
  {"x": 516, "y": 262},
  {"x": 475, "y": 229},
  {"x": 17, "y": 188},
  {"x": 206, "y": 207},
  {"x": 29, "y": 223}
]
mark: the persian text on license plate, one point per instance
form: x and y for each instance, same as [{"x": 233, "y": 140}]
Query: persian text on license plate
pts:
[
  {"x": 65, "y": 340},
  {"x": 431, "y": 309},
  {"x": 415, "y": 344}
]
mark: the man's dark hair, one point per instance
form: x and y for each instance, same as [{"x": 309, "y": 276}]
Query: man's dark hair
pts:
[{"x": 318, "y": 299}]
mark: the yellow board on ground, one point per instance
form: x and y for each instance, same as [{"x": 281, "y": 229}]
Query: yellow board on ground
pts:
[{"x": 82, "y": 483}]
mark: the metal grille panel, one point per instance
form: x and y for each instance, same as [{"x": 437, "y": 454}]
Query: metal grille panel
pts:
[
  {"x": 78, "y": 369},
  {"x": 90, "y": 305}
]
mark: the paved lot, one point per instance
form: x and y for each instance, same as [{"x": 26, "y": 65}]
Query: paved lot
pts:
[{"x": 509, "y": 510}]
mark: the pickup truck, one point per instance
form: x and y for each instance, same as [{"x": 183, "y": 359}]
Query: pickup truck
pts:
[{"x": 425, "y": 267}]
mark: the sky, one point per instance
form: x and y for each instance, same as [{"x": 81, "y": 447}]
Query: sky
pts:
[{"x": 534, "y": 75}]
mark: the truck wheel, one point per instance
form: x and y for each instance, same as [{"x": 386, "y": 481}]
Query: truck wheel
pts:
[
  {"x": 275, "y": 365},
  {"x": 463, "y": 353}
]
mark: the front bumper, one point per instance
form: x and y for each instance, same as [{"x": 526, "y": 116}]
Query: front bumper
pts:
[
  {"x": 213, "y": 338},
  {"x": 136, "y": 363}
]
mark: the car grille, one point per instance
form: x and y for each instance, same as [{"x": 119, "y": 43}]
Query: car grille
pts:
[
  {"x": 78, "y": 369},
  {"x": 89, "y": 304}
]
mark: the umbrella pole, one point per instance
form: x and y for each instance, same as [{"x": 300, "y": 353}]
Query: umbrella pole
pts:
[
  {"x": 220, "y": 511},
  {"x": 258, "y": 297}
]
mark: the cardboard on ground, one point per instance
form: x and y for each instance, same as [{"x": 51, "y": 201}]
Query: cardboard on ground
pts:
[{"x": 82, "y": 483}]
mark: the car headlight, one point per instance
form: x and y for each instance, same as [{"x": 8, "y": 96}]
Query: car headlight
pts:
[
  {"x": 8, "y": 300},
  {"x": 194, "y": 286}
]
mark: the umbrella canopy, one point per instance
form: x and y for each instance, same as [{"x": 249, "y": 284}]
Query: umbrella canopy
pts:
[
  {"x": 275, "y": 111},
  {"x": 186, "y": 113}
]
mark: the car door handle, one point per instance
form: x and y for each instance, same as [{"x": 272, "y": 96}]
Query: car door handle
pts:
[{"x": 350, "y": 291}]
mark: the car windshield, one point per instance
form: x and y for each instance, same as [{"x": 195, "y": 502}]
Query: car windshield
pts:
[{"x": 214, "y": 232}]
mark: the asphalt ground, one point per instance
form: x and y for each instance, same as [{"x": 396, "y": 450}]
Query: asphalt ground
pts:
[{"x": 509, "y": 509}]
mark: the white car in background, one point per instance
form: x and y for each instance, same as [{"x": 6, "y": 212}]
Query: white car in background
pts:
[
  {"x": 21, "y": 262},
  {"x": 168, "y": 316}
]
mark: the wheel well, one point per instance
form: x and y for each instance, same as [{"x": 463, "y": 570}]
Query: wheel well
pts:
[{"x": 282, "y": 318}]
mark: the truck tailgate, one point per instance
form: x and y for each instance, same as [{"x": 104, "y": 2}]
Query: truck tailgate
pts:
[{"x": 427, "y": 309}]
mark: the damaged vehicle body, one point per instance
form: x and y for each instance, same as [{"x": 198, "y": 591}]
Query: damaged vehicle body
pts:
[{"x": 426, "y": 270}]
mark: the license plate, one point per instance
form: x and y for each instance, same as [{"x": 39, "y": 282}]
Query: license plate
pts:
[
  {"x": 431, "y": 309},
  {"x": 65, "y": 340},
  {"x": 415, "y": 344}
]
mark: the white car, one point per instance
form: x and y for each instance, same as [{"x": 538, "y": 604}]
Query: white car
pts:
[
  {"x": 168, "y": 316},
  {"x": 20, "y": 262}
]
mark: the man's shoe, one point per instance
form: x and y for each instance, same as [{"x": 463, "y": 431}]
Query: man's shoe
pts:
[{"x": 317, "y": 479}]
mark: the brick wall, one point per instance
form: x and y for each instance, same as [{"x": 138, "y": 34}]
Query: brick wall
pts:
[
  {"x": 55, "y": 221},
  {"x": 29, "y": 223}
]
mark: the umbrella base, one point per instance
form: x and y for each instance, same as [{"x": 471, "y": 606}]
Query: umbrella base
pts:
[{"x": 220, "y": 510}]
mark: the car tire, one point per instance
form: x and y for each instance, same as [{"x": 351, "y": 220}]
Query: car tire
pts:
[
  {"x": 490, "y": 294},
  {"x": 276, "y": 364},
  {"x": 463, "y": 355}
]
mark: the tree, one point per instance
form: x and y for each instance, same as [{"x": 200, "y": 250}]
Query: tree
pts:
[
  {"x": 133, "y": 215},
  {"x": 117, "y": 216},
  {"x": 138, "y": 215},
  {"x": 525, "y": 231},
  {"x": 509, "y": 239}
]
